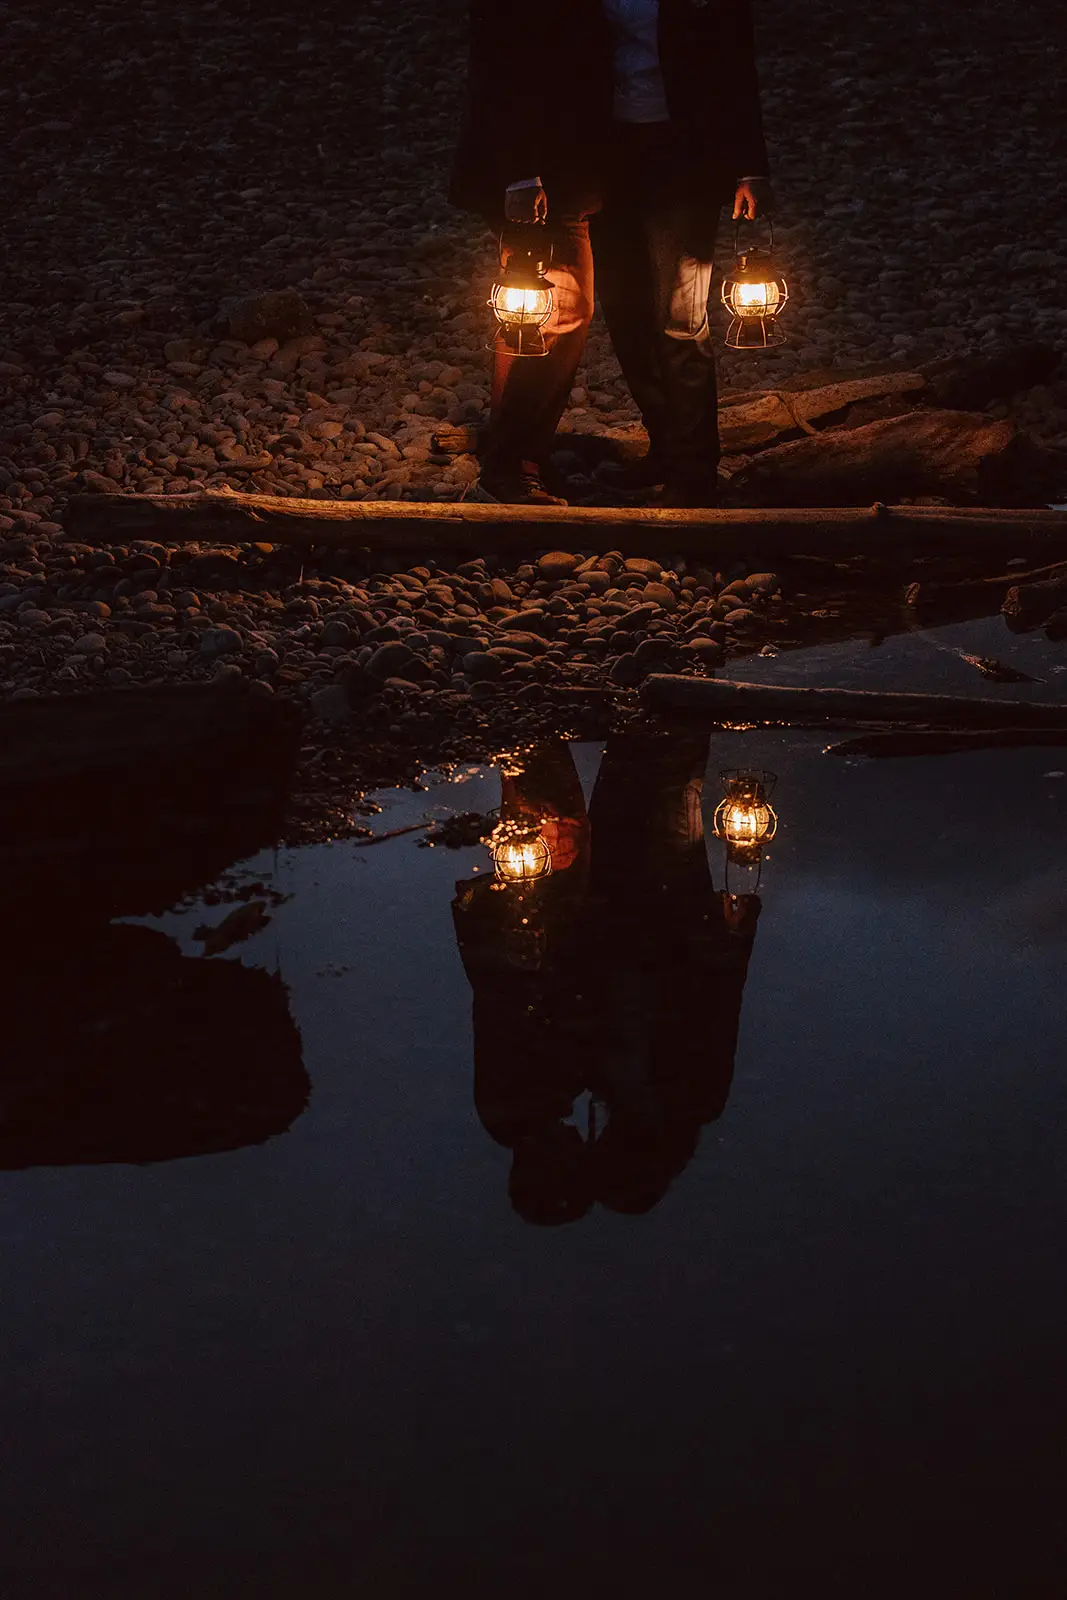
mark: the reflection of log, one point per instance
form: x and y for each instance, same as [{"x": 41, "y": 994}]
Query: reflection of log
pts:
[
  {"x": 147, "y": 1056},
  {"x": 974, "y": 597},
  {"x": 458, "y": 525},
  {"x": 924, "y": 742},
  {"x": 953, "y": 454},
  {"x": 719, "y": 700},
  {"x": 1031, "y": 604},
  {"x": 122, "y": 801}
]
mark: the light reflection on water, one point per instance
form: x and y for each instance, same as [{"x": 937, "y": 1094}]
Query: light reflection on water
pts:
[{"x": 807, "y": 1165}]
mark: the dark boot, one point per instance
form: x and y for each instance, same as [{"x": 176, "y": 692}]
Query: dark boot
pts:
[{"x": 516, "y": 483}]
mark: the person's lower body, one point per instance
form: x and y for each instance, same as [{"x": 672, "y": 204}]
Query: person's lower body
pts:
[
  {"x": 652, "y": 255},
  {"x": 529, "y": 393}
]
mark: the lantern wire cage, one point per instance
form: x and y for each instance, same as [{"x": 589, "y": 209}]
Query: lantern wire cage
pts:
[
  {"x": 745, "y": 818},
  {"x": 519, "y": 850},
  {"x": 522, "y": 299},
  {"x": 755, "y": 294}
]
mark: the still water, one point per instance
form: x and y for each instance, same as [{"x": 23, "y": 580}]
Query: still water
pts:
[{"x": 629, "y": 1238}]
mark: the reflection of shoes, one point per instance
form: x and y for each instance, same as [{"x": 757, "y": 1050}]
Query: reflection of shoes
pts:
[
  {"x": 646, "y": 472},
  {"x": 690, "y": 493},
  {"x": 517, "y": 485}
]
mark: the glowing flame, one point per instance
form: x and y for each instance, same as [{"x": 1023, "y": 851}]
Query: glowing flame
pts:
[
  {"x": 746, "y": 822},
  {"x": 520, "y": 852},
  {"x": 522, "y": 305},
  {"x": 755, "y": 299}
]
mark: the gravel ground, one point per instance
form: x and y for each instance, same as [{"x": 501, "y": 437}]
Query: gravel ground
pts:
[{"x": 167, "y": 161}]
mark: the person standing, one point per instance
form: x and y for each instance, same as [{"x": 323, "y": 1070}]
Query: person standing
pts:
[{"x": 623, "y": 127}]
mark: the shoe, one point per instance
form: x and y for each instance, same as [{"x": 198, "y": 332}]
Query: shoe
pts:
[
  {"x": 518, "y": 485},
  {"x": 647, "y": 472},
  {"x": 690, "y": 494}
]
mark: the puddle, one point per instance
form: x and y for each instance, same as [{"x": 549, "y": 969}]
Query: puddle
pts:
[{"x": 628, "y": 1228}]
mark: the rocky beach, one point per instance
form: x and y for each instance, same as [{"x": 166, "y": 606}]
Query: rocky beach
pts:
[{"x": 229, "y": 263}]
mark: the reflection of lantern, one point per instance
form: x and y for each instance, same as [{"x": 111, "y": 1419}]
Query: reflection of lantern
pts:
[
  {"x": 745, "y": 818},
  {"x": 519, "y": 852},
  {"x": 522, "y": 297},
  {"x": 755, "y": 294}
]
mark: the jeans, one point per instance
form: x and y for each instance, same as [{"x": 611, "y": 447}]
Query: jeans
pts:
[{"x": 650, "y": 249}]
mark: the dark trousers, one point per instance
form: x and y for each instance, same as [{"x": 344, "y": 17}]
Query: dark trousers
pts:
[{"x": 651, "y": 251}]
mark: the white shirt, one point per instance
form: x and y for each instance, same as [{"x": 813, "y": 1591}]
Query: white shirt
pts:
[{"x": 639, "y": 92}]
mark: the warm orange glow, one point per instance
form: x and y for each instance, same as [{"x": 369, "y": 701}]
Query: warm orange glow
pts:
[
  {"x": 520, "y": 853},
  {"x": 745, "y": 818},
  {"x": 745, "y": 822},
  {"x": 527, "y": 306},
  {"x": 755, "y": 299}
]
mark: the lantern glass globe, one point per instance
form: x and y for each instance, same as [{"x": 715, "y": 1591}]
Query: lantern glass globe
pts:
[
  {"x": 755, "y": 299},
  {"x": 519, "y": 306},
  {"x": 745, "y": 817},
  {"x": 520, "y": 853}
]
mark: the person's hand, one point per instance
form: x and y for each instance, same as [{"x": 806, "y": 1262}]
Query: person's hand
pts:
[
  {"x": 525, "y": 202},
  {"x": 753, "y": 199}
]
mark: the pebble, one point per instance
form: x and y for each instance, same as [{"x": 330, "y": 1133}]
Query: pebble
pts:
[{"x": 220, "y": 642}]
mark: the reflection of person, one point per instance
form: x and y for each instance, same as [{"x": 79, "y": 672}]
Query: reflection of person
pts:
[
  {"x": 644, "y": 116},
  {"x": 619, "y": 976}
]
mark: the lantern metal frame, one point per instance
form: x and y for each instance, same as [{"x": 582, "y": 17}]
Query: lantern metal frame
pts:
[
  {"x": 755, "y": 786},
  {"x": 514, "y": 832},
  {"x": 758, "y": 327},
  {"x": 529, "y": 256}
]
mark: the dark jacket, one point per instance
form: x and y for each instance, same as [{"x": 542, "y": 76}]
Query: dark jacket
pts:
[{"x": 539, "y": 98}]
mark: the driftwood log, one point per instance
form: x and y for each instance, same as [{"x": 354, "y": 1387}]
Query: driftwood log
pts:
[
  {"x": 457, "y": 525},
  {"x": 751, "y": 419},
  {"x": 720, "y": 700},
  {"x": 955, "y": 455}
]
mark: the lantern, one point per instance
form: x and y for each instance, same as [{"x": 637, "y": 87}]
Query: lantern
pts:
[
  {"x": 519, "y": 852},
  {"x": 755, "y": 294},
  {"x": 522, "y": 298},
  {"x": 745, "y": 818}
]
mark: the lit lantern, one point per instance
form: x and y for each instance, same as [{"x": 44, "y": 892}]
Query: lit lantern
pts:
[
  {"x": 745, "y": 818},
  {"x": 755, "y": 294},
  {"x": 522, "y": 297},
  {"x": 519, "y": 852}
]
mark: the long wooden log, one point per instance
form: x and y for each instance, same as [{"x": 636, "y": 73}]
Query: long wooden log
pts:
[
  {"x": 720, "y": 700},
  {"x": 459, "y": 525}
]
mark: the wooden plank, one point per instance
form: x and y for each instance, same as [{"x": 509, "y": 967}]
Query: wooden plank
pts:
[
  {"x": 477, "y": 526},
  {"x": 721, "y": 700}
]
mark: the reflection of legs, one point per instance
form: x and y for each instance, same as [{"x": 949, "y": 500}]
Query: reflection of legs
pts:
[
  {"x": 648, "y": 831},
  {"x": 530, "y": 392}
]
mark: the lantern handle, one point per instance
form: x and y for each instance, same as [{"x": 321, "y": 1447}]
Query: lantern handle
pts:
[
  {"x": 737, "y": 236},
  {"x": 517, "y": 231}
]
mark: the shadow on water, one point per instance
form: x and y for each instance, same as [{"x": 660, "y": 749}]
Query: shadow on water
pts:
[
  {"x": 121, "y": 1049},
  {"x": 618, "y": 977},
  {"x": 151, "y": 1055}
]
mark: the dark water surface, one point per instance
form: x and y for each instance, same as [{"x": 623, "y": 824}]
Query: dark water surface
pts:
[{"x": 797, "y": 1323}]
